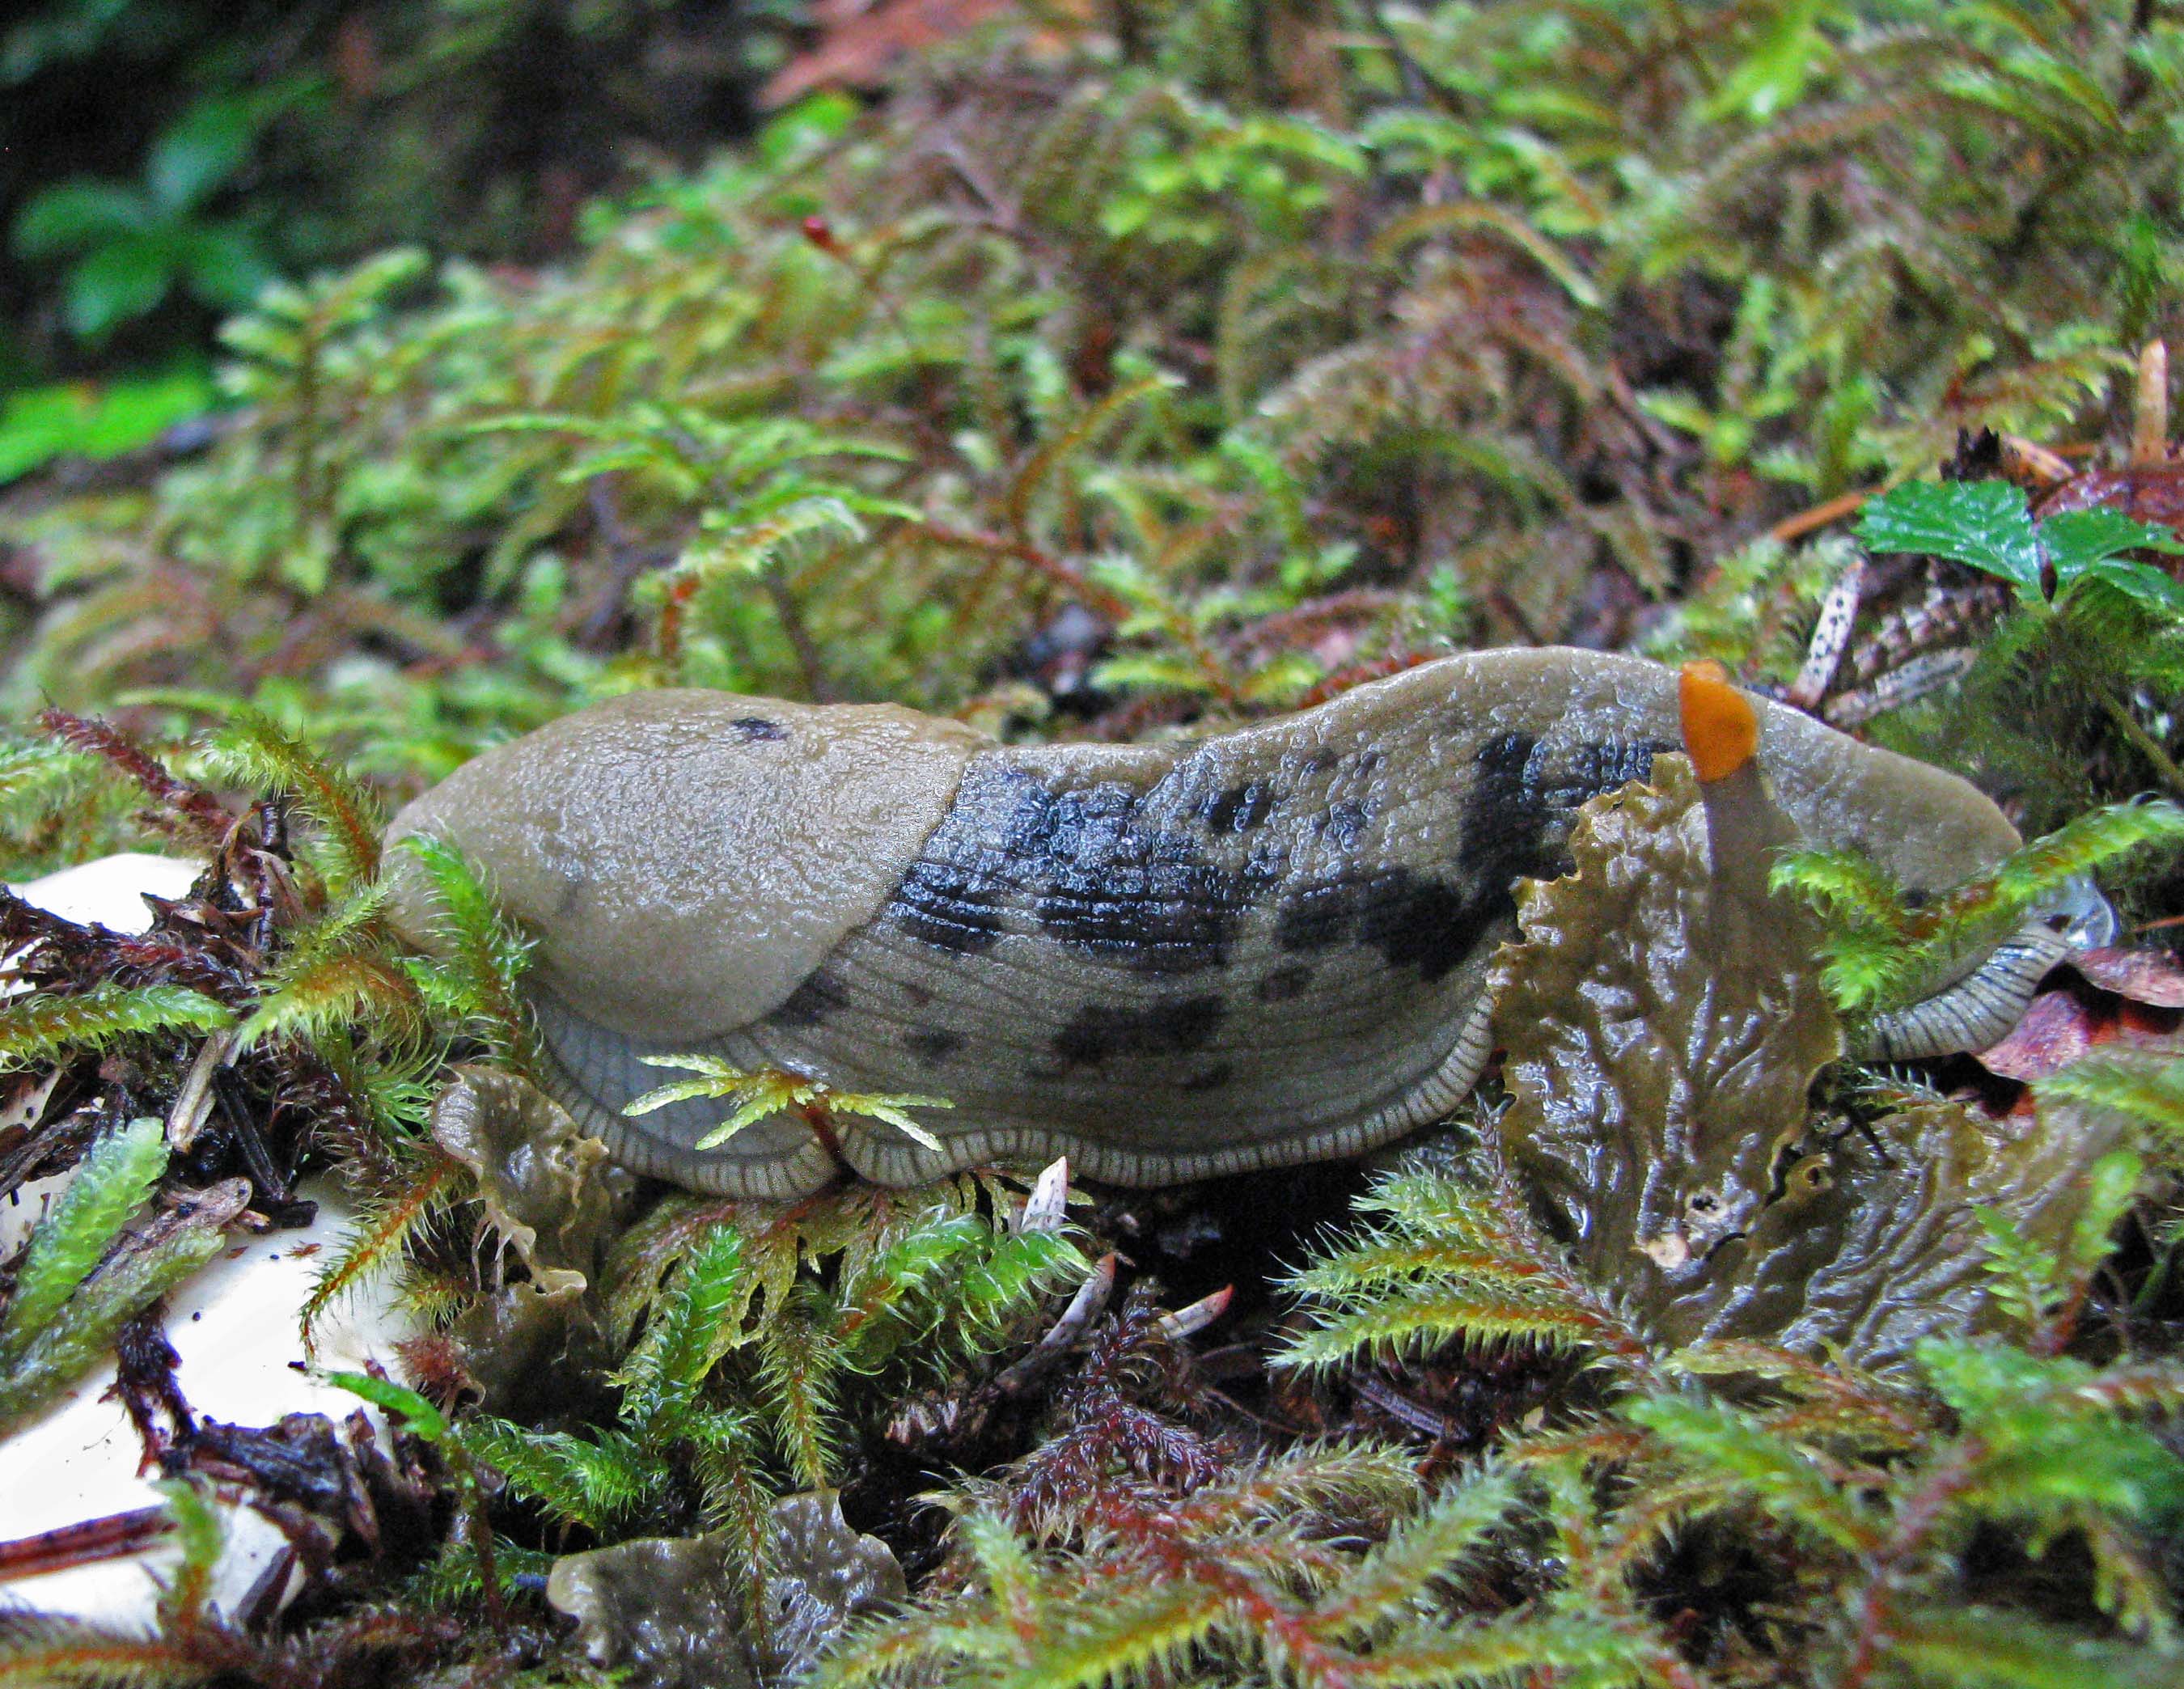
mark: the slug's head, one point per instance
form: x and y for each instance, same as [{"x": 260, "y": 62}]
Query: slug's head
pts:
[
  {"x": 1928, "y": 828},
  {"x": 686, "y": 859}
]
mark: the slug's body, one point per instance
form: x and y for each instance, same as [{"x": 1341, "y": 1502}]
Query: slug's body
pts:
[{"x": 1164, "y": 961}]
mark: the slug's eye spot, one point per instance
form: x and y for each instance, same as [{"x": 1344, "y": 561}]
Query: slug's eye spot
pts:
[{"x": 1721, "y": 730}]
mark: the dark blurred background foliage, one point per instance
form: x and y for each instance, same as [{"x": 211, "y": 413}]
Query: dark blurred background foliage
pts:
[{"x": 160, "y": 160}]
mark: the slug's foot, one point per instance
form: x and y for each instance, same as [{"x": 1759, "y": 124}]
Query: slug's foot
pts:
[
  {"x": 593, "y": 1072},
  {"x": 1979, "y": 1009}
]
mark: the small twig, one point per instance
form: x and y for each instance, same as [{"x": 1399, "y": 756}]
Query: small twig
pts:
[
  {"x": 1820, "y": 515},
  {"x": 799, "y": 632},
  {"x": 1065, "y": 575},
  {"x": 185, "y": 1117},
  {"x": 1185, "y": 1322},
  {"x": 2149, "y": 416},
  {"x": 1831, "y": 636},
  {"x": 1401, "y": 1408},
  {"x": 108, "y": 1538},
  {"x": 1043, "y": 1210},
  {"x": 1076, "y": 1320}
]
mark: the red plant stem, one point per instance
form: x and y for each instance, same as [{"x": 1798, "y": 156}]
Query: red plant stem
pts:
[
  {"x": 196, "y": 813},
  {"x": 1065, "y": 575},
  {"x": 1914, "y": 1522}
]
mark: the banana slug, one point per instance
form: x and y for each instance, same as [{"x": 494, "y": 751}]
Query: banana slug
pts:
[{"x": 1165, "y": 961}]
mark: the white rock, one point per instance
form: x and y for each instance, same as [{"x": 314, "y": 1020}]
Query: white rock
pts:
[{"x": 234, "y": 1325}]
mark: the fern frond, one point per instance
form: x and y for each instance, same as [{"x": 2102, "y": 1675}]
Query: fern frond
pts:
[
  {"x": 1130, "y": 1636},
  {"x": 1882, "y": 954},
  {"x": 799, "y": 1369},
  {"x": 310, "y": 998},
  {"x": 1723, "y": 1447},
  {"x": 2145, "y": 1087},
  {"x": 734, "y": 543},
  {"x": 1546, "y": 1643},
  {"x": 1848, "y": 888},
  {"x": 1446, "y": 1261},
  {"x": 1004, "y": 1279},
  {"x": 2078, "y": 847},
  {"x": 252, "y": 748},
  {"x": 760, "y": 1092},
  {"x": 39, "y": 1652},
  {"x": 1988, "y": 1645},
  {"x": 578, "y": 1480},
  {"x": 1054, "y": 453},
  {"x": 194, "y": 817},
  {"x": 380, "y": 1239},
  {"x": 1413, "y": 1322},
  {"x": 1484, "y": 216},
  {"x": 1422, "y": 1549}
]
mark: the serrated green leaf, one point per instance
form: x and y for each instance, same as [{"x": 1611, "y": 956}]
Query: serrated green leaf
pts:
[{"x": 1985, "y": 524}]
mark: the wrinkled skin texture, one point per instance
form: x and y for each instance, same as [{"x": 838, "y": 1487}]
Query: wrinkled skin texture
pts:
[
  {"x": 1873, "y": 1244},
  {"x": 1164, "y": 961},
  {"x": 1664, "y": 1022},
  {"x": 673, "y": 1612}
]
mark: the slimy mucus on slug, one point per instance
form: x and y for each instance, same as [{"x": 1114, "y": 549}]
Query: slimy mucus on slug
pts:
[{"x": 1165, "y": 961}]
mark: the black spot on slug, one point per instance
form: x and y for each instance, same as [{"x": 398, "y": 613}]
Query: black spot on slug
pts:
[
  {"x": 1414, "y": 921},
  {"x": 1174, "y": 1028},
  {"x": 1344, "y": 824},
  {"x": 1517, "y": 809},
  {"x": 752, "y": 728},
  {"x": 1427, "y": 924},
  {"x": 948, "y": 906},
  {"x": 1505, "y": 813},
  {"x": 1321, "y": 915},
  {"x": 819, "y": 996},
  {"x": 933, "y": 1044},
  {"x": 1602, "y": 765},
  {"x": 1093, "y": 868},
  {"x": 1514, "y": 818},
  {"x": 1241, "y": 808},
  {"x": 1286, "y": 984},
  {"x": 1213, "y": 1078},
  {"x": 1107, "y": 882}
]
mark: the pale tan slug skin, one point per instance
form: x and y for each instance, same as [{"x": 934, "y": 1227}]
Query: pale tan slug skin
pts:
[{"x": 1165, "y": 961}]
